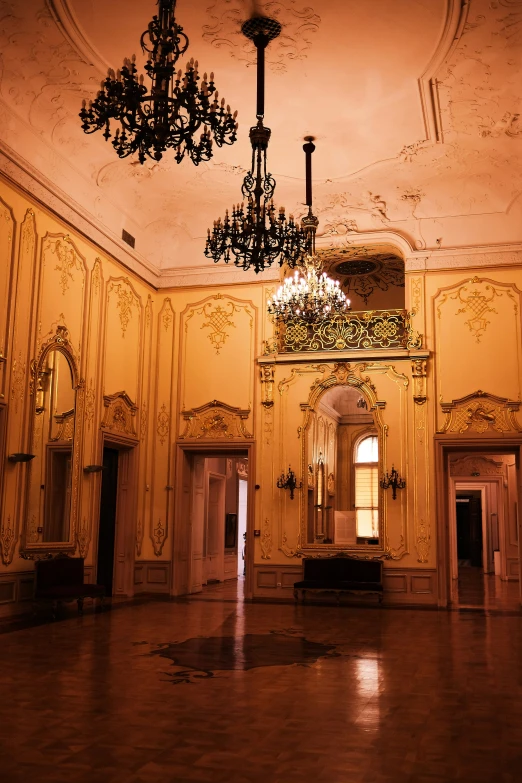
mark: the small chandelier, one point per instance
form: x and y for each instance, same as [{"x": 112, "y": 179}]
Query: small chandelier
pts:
[
  {"x": 256, "y": 234},
  {"x": 309, "y": 295},
  {"x": 176, "y": 109}
]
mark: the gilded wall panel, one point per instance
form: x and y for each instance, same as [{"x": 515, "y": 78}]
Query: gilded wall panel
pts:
[
  {"x": 162, "y": 435},
  {"x": 218, "y": 348},
  {"x": 477, "y": 327},
  {"x": 63, "y": 290},
  {"x": 143, "y": 545},
  {"x": 122, "y": 338},
  {"x": 7, "y": 231}
]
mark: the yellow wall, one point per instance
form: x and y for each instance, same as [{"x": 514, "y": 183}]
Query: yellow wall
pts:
[{"x": 174, "y": 351}]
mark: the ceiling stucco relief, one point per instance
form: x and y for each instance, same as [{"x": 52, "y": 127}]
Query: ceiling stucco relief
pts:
[
  {"x": 411, "y": 74},
  {"x": 299, "y": 25}
]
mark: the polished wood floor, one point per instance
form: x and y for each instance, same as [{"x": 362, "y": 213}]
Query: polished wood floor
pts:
[{"x": 213, "y": 690}]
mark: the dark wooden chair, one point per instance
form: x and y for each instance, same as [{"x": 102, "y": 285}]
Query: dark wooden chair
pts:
[{"x": 61, "y": 580}]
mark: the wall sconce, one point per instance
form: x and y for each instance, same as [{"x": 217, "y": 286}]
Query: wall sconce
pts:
[
  {"x": 289, "y": 482},
  {"x": 361, "y": 403},
  {"x": 19, "y": 456},
  {"x": 394, "y": 481},
  {"x": 93, "y": 468}
]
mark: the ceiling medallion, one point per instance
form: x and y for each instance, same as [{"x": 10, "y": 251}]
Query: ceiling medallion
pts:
[
  {"x": 258, "y": 234},
  {"x": 309, "y": 295},
  {"x": 361, "y": 271},
  {"x": 176, "y": 109}
]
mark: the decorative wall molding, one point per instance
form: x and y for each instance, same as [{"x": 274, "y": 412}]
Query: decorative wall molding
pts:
[
  {"x": 120, "y": 414},
  {"x": 266, "y": 540},
  {"x": 267, "y": 373},
  {"x": 480, "y": 413},
  {"x": 418, "y": 371},
  {"x": 7, "y": 540},
  {"x": 215, "y": 420},
  {"x": 472, "y": 465},
  {"x": 66, "y": 21},
  {"x": 159, "y": 536},
  {"x": 465, "y": 258},
  {"x": 83, "y": 538}
]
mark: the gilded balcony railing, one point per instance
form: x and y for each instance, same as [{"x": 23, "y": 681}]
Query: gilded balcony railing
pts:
[{"x": 366, "y": 329}]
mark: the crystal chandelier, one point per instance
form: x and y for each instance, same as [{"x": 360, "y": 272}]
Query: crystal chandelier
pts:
[
  {"x": 256, "y": 234},
  {"x": 309, "y": 294},
  {"x": 177, "y": 109}
]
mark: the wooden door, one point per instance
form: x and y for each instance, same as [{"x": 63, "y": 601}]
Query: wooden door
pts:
[
  {"x": 197, "y": 523},
  {"x": 215, "y": 527}
]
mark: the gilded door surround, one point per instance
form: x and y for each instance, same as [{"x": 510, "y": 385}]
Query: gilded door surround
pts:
[
  {"x": 120, "y": 415},
  {"x": 182, "y": 526},
  {"x": 59, "y": 341},
  {"x": 343, "y": 374},
  {"x": 445, "y": 445},
  {"x": 481, "y": 413},
  {"x": 215, "y": 421}
]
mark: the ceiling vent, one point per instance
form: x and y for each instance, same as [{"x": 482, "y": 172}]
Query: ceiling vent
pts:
[{"x": 128, "y": 238}]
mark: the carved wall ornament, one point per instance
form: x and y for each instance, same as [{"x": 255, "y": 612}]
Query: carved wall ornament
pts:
[
  {"x": 139, "y": 537},
  {"x": 242, "y": 468},
  {"x": 300, "y": 23},
  {"x": 68, "y": 261},
  {"x": 418, "y": 371},
  {"x": 266, "y": 540},
  {"x": 90, "y": 400},
  {"x": 481, "y": 412},
  {"x": 416, "y": 293},
  {"x": 219, "y": 319},
  {"x": 267, "y": 373},
  {"x": 422, "y": 540},
  {"x": 167, "y": 315},
  {"x": 163, "y": 424},
  {"x": 330, "y": 484},
  {"x": 18, "y": 381},
  {"x": 143, "y": 421},
  {"x": 83, "y": 538},
  {"x": 32, "y": 530},
  {"x": 476, "y": 466},
  {"x": 120, "y": 414},
  {"x": 126, "y": 300},
  {"x": 96, "y": 276},
  {"x": 55, "y": 340},
  {"x": 159, "y": 535},
  {"x": 476, "y": 304},
  {"x": 215, "y": 420},
  {"x": 7, "y": 540}
]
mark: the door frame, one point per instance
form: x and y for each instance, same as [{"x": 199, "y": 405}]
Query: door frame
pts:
[
  {"x": 222, "y": 479},
  {"x": 445, "y": 446},
  {"x": 181, "y": 565},
  {"x": 482, "y": 484},
  {"x": 123, "y": 571}
]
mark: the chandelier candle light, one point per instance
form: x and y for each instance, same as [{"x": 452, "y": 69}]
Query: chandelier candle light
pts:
[
  {"x": 309, "y": 294},
  {"x": 256, "y": 234},
  {"x": 177, "y": 109}
]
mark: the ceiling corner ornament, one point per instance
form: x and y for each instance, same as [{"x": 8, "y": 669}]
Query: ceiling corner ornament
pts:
[
  {"x": 120, "y": 414},
  {"x": 178, "y": 107},
  {"x": 259, "y": 234},
  {"x": 299, "y": 24},
  {"x": 481, "y": 413},
  {"x": 215, "y": 421}
]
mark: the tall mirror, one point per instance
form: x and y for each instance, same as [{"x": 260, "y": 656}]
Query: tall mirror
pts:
[
  {"x": 51, "y": 480},
  {"x": 342, "y": 506}
]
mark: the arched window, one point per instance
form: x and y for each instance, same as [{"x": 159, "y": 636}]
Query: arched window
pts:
[{"x": 366, "y": 459}]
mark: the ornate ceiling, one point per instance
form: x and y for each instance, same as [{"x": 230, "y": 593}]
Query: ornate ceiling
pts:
[{"x": 415, "y": 106}]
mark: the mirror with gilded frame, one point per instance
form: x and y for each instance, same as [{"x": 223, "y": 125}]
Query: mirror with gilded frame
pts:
[
  {"x": 342, "y": 458},
  {"x": 53, "y": 474}
]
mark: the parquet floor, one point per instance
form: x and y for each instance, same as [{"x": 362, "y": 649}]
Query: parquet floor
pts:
[{"x": 343, "y": 695}]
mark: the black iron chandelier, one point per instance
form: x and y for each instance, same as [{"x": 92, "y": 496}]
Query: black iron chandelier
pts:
[
  {"x": 177, "y": 109},
  {"x": 309, "y": 294},
  {"x": 257, "y": 234}
]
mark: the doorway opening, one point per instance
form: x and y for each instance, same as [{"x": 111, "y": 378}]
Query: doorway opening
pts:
[
  {"x": 212, "y": 530},
  {"x": 116, "y": 528},
  {"x": 483, "y": 529}
]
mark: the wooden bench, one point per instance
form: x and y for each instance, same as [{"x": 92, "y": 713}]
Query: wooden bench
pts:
[
  {"x": 61, "y": 580},
  {"x": 340, "y": 575}
]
